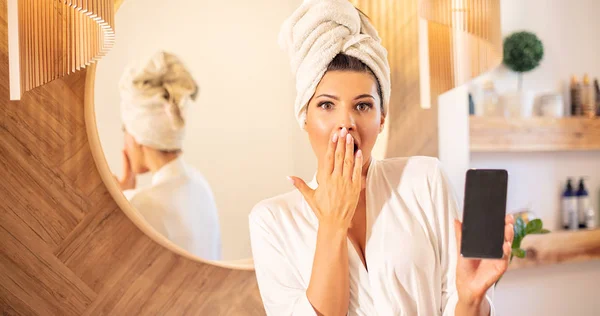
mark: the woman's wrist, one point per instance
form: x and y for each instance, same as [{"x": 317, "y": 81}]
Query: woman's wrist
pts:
[
  {"x": 333, "y": 232},
  {"x": 473, "y": 307}
]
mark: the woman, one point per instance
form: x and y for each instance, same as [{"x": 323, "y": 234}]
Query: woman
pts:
[
  {"x": 365, "y": 237},
  {"x": 179, "y": 204}
]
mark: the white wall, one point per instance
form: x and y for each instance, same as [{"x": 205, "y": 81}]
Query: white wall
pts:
[
  {"x": 238, "y": 134},
  {"x": 569, "y": 33},
  {"x": 568, "y": 30},
  {"x": 453, "y": 138}
]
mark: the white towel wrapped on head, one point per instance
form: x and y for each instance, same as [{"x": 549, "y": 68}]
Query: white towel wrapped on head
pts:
[
  {"x": 154, "y": 98},
  {"x": 317, "y": 32}
]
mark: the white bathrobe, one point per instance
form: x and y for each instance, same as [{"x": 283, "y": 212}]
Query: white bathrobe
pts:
[
  {"x": 180, "y": 205},
  {"x": 410, "y": 250}
]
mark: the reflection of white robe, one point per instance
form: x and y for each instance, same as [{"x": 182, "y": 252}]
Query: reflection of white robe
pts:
[
  {"x": 180, "y": 205},
  {"x": 410, "y": 251}
]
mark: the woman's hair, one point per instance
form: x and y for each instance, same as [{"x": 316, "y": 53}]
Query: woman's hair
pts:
[{"x": 343, "y": 62}]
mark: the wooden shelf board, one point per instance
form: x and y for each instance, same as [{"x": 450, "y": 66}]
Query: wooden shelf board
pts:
[
  {"x": 559, "y": 247},
  {"x": 490, "y": 134}
]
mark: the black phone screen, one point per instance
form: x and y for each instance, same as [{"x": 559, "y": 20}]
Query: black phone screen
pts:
[{"x": 483, "y": 213}]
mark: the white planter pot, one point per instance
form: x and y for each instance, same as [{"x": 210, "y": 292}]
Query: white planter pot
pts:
[{"x": 518, "y": 103}]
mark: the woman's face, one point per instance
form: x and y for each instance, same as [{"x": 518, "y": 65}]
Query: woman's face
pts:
[{"x": 345, "y": 99}]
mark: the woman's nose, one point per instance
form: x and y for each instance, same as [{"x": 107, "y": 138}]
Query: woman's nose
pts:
[{"x": 346, "y": 120}]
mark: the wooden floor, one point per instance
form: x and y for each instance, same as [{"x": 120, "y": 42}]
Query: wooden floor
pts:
[{"x": 65, "y": 246}]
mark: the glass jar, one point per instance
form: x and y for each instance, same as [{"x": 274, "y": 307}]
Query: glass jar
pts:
[
  {"x": 489, "y": 101},
  {"x": 552, "y": 105}
]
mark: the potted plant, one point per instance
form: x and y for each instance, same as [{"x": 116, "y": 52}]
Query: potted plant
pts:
[
  {"x": 523, "y": 52},
  {"x": 523, "y": 229}
]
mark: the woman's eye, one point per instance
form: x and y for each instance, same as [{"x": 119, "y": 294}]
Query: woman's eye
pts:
[
  {"x": 326, "y": 105},
  {"x": 363, "y": 106}
]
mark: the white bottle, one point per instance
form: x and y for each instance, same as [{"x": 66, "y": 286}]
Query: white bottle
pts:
[
  {"x": 569, "y": 208},
  {"x": 591, "y": 222},
  {"x": 588, "y": 97},
  {"x": 489, "y": 101},
  {"x": 583, "y": 204}
]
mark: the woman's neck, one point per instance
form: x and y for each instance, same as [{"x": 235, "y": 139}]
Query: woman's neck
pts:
[
  {"x": 365, "y": 168},
  {"x": 156, "y": 159}
]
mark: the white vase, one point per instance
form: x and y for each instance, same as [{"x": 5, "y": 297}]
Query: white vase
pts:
[{"x": 518, "y": 103}]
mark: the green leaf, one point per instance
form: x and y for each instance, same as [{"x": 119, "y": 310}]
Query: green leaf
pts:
[
  {"x": 518, "y": 252},
  {"x": 519, "y": 223},
  {"x": 534, "y": 226},
  {"x": 541, "y": 231},
  {"x": 517, "y": 242},
  {"x": 519, "y": 229}
]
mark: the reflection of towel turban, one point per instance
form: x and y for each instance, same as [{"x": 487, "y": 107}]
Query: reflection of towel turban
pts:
[
  {"x": 154, "y": 96},
  {"x": 317, "y": 32}
]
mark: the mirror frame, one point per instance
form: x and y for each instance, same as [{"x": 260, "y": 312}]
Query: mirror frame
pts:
[{"x": 114, "y": 190}]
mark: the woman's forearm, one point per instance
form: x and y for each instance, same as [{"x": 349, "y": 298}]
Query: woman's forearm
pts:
[
  {"x": 478, "y": 308},
  {"x": 329, "y": 288}
]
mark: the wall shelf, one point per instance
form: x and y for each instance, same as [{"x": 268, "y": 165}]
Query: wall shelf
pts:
[
  {"x": 559, "y": 247},
  {"x": 491, "y": 134}
]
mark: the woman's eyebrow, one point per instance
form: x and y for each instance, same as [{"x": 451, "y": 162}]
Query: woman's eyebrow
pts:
[
  {"x": 329, "y": 96},
  {"x": 364, "y": 96}
]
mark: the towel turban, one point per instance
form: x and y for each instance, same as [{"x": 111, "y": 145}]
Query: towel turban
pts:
[
  {"x": 154, "y": 97},
  {"x": 318, "y": 31}
]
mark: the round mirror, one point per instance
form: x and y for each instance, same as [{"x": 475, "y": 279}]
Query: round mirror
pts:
[{"x": 193, "y": 172}]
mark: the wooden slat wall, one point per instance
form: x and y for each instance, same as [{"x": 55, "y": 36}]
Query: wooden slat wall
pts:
[
  {"x": 464, "y": 41},
  {"x": 86, "y": 34},
  {"x": 412, "y": 129},
  {"x": 66, "y": 248}
]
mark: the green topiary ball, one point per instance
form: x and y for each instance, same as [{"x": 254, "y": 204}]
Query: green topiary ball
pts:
[{"x": 523, "y": 51}]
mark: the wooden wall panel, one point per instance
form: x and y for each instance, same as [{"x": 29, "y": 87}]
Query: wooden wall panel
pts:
[
  {"x": 57, "y": 38},
  {"x": 66, "y": 248},
  {"x": 412, "y": 130}
]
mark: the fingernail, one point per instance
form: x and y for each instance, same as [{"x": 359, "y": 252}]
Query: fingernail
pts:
[
  {"x": 343, "y": 132},
  {"x": 335, "y": 138},
  {"x": 359, "y": 153},
  {"x": 290, "y": 179},
  {"x": 348, "y": 139}
]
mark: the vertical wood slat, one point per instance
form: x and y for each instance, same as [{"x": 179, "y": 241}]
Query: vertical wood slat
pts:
[
  {"x": 23, "y": 41},
  {"x": 30, "y": 62},
  {"x": 30, "y": 73},
  {"x": 36, "y": 49},
  {"x": 43, "y": 46},
  {"x": 52, "y": 19},
  {"x": 76, "y": 39},
  {"x": 473, "y": 24},
  {"x": 63, "y": 36},
  {"x": 59, "y": 37}
]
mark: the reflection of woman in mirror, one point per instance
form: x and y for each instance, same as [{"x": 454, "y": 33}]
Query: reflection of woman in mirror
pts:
[
  {"x": 179, "y": 203},
  {"x": 364, "y": 237}
]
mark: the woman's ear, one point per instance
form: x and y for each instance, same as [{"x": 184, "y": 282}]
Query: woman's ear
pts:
[{"x": 382, "y": 124}]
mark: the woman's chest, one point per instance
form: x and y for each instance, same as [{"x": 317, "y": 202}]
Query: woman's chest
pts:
[
  {"x": 400, "y": 246},
  {"x": 397, "y": 248}
]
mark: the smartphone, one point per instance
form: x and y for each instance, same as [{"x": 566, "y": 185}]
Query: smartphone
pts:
[{"x": 484, "y": 213}]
